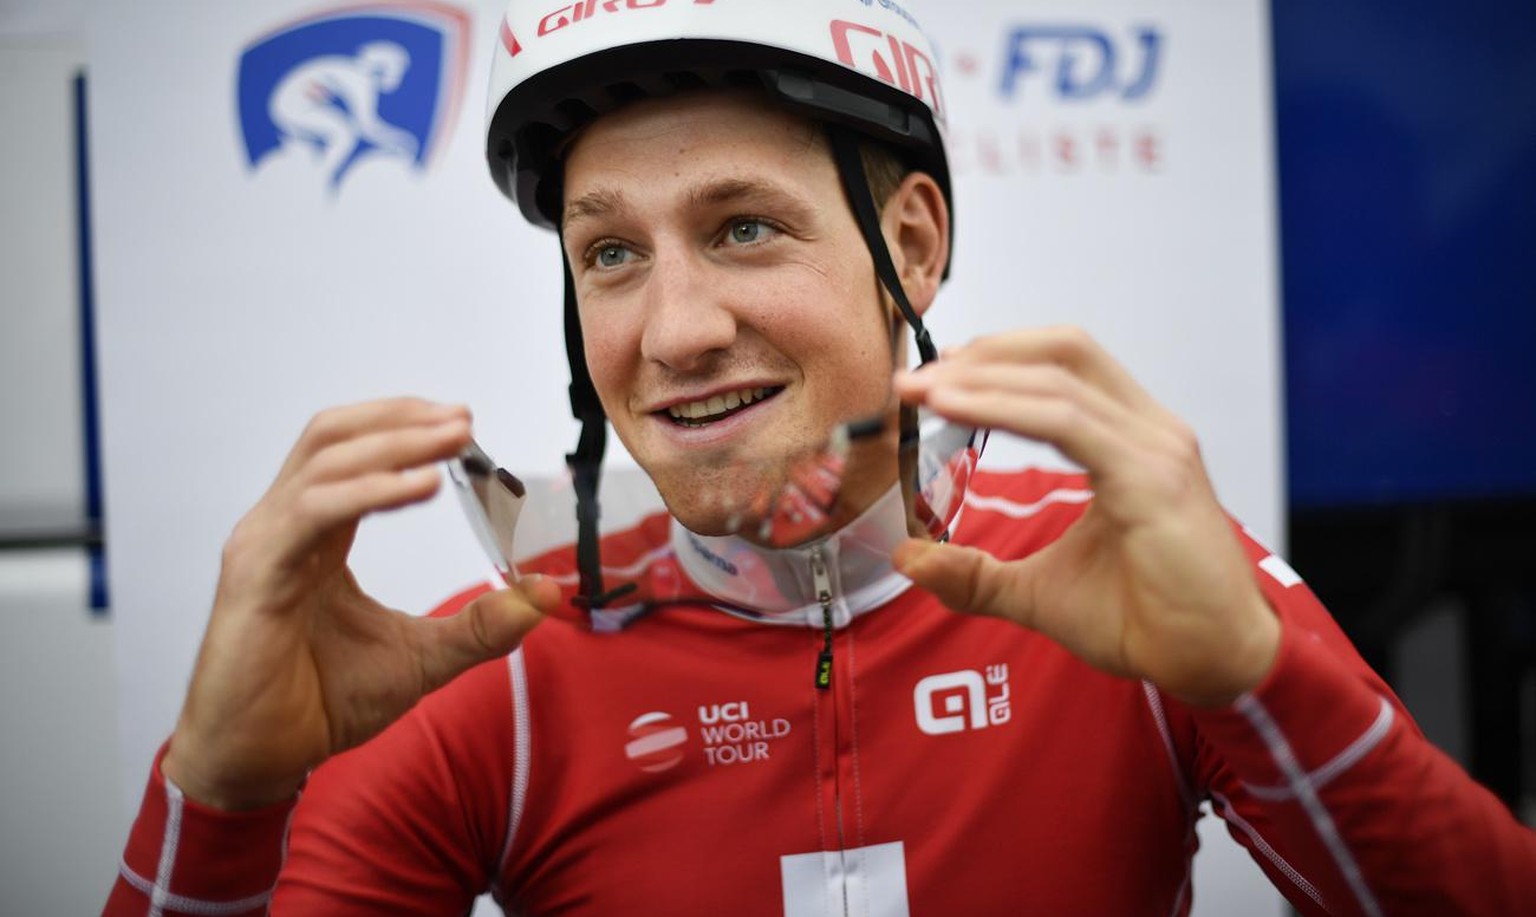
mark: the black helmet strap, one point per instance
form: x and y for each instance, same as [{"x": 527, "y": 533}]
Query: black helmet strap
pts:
[
  {"x": 850, "y": 167},
  {"x": 586, "y": 463}
]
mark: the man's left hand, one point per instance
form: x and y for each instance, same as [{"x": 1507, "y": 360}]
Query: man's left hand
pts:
[{"x": 1151, "y": 582}]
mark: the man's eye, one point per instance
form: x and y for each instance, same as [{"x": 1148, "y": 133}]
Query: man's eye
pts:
[
  {"x": 611, "y": 256},
  {"x": 745, "y": 232}
]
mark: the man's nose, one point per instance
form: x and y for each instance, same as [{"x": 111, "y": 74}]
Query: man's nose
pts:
[{"x": 687, "y": 317}]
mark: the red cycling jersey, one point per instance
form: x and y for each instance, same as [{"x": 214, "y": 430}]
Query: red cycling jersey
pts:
[{"x": 690, "y": 764}]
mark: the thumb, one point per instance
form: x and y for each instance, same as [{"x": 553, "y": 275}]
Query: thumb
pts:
[
  {"x": 963, "y": 578},
  {"x": 487, "y": 628}
]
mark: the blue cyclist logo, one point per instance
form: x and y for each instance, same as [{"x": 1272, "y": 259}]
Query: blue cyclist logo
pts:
[{"x": 349, "y": 85}]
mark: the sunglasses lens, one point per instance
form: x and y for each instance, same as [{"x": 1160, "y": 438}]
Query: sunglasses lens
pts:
[
  {"x": 935, "y": 469},
  {"x": 793, "y": 499},
  {"x": 946, "y": 457},
  {"x": 493, "y": 500}
]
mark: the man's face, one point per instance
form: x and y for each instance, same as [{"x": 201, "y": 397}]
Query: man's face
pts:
[{"x": 730, "y": 310}]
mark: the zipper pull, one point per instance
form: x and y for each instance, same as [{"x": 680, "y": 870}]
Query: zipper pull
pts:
[{"x": 824, "y": 596}]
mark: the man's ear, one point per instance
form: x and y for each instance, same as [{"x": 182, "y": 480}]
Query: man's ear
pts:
[{"x": 915, "y": 221}]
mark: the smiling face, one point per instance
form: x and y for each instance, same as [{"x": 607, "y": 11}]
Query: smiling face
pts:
[{"x": 729, "y": 307}]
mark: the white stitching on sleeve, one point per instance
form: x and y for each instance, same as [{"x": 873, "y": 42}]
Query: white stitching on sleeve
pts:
[
  {"x": 1230, "y": 816},
  {"x": 1341, "y": 762},
  {"x": 174, "y": 800},
  {"x": 1155, "y": 702},
  {"x": 1306, "y": 794},
  {"x": 522, "y": 742},
  {"x": 159, "y": 892},
  {"x": 1186, "y": 792},
  {"x": 193, "y": 905}
]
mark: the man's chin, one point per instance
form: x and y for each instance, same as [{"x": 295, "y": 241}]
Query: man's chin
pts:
[
  {"x": 717, "y": 504},
  {"x": 712, "y": 517}
]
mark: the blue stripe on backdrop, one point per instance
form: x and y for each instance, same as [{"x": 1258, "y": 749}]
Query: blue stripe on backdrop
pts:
[{"x": 90, "y": 439}]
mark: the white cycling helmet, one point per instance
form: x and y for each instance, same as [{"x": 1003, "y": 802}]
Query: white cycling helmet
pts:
[
  {"x": 864, "y": 64},
  {"x": 863, "y": 68}
]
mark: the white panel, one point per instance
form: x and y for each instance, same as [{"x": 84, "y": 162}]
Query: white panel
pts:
[
  {"x": 869, "y": 881},
  {"x": 63, "y": 826},
  {"x": 41, "y": 475},
  {"x": 40, "y": 18}
]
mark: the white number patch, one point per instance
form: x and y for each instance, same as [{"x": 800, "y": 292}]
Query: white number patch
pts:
[{"x": 871, "y": 880}]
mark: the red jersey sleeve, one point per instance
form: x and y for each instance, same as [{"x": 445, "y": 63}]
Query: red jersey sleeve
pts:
[
  {"x": 1323, "y": 775},
  {"x": 186, "y": 858},
  {"x": 412, "y": 822}
]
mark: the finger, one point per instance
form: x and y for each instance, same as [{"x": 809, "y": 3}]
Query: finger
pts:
[
  {"x": 388, "y": 450},
  {"x": 1041, "y": 380},
  {"x": 321, "y": 507},
  {"x": 1097, "y": 445},
  {"x": 1141, "y": 430},
  {"x": 488, "y": 628},
  {"x": 967, "y": 579},
  {"x": 334, "y": 425},
  {"x": 1066, "y": 346}
]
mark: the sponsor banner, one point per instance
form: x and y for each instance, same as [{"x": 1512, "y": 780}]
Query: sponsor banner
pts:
[{"x": 293, "y": 211}]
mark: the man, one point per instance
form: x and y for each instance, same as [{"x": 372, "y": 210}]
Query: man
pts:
[{"x": 802, "y": 730}]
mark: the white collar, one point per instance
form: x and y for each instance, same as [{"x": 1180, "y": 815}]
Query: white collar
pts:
[{"x": 777, "y": 585}]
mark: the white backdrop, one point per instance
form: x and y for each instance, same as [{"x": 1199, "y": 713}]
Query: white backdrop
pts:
[{"x": 1094, "y": 186}]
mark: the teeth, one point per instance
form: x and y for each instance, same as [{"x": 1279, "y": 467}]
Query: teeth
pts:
[{"x": 719, "y": 404}]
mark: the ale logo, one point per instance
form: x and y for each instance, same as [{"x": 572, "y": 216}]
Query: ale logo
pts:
[
  {"x": 349, "y": 85},
  {"x": 962, "y": 701}
]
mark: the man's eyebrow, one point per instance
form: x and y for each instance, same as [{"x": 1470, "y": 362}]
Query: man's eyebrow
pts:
[
  {"x": 597, "y": 203},
  {"x": 728, "y": 190},
  {"x": 603, "y": 202}
]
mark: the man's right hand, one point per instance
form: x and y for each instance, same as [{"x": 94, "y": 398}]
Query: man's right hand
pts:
[{"x": 298, "y": 663}]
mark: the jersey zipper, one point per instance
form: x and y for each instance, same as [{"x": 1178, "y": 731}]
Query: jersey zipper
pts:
[
  {"x": 829, "y": 701},
  {"x": 823, "y": 584}
]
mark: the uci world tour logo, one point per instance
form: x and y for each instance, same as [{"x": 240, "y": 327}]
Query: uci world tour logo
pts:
[{"x": 352, "y": 84}]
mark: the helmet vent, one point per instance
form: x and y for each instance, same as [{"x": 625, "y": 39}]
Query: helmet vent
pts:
[
  {"x": 741, "y": 79},
  {"x": 624, "y": 93},
  {"x": 575, "y": 113},
  {"x": 684, "y": 80}
]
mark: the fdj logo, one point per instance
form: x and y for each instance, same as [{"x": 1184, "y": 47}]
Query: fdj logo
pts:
[
  {"x": 956, "y": 701},
  {"x": 341, "y": 86},
  {"x": 1082, "y": 62}
]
